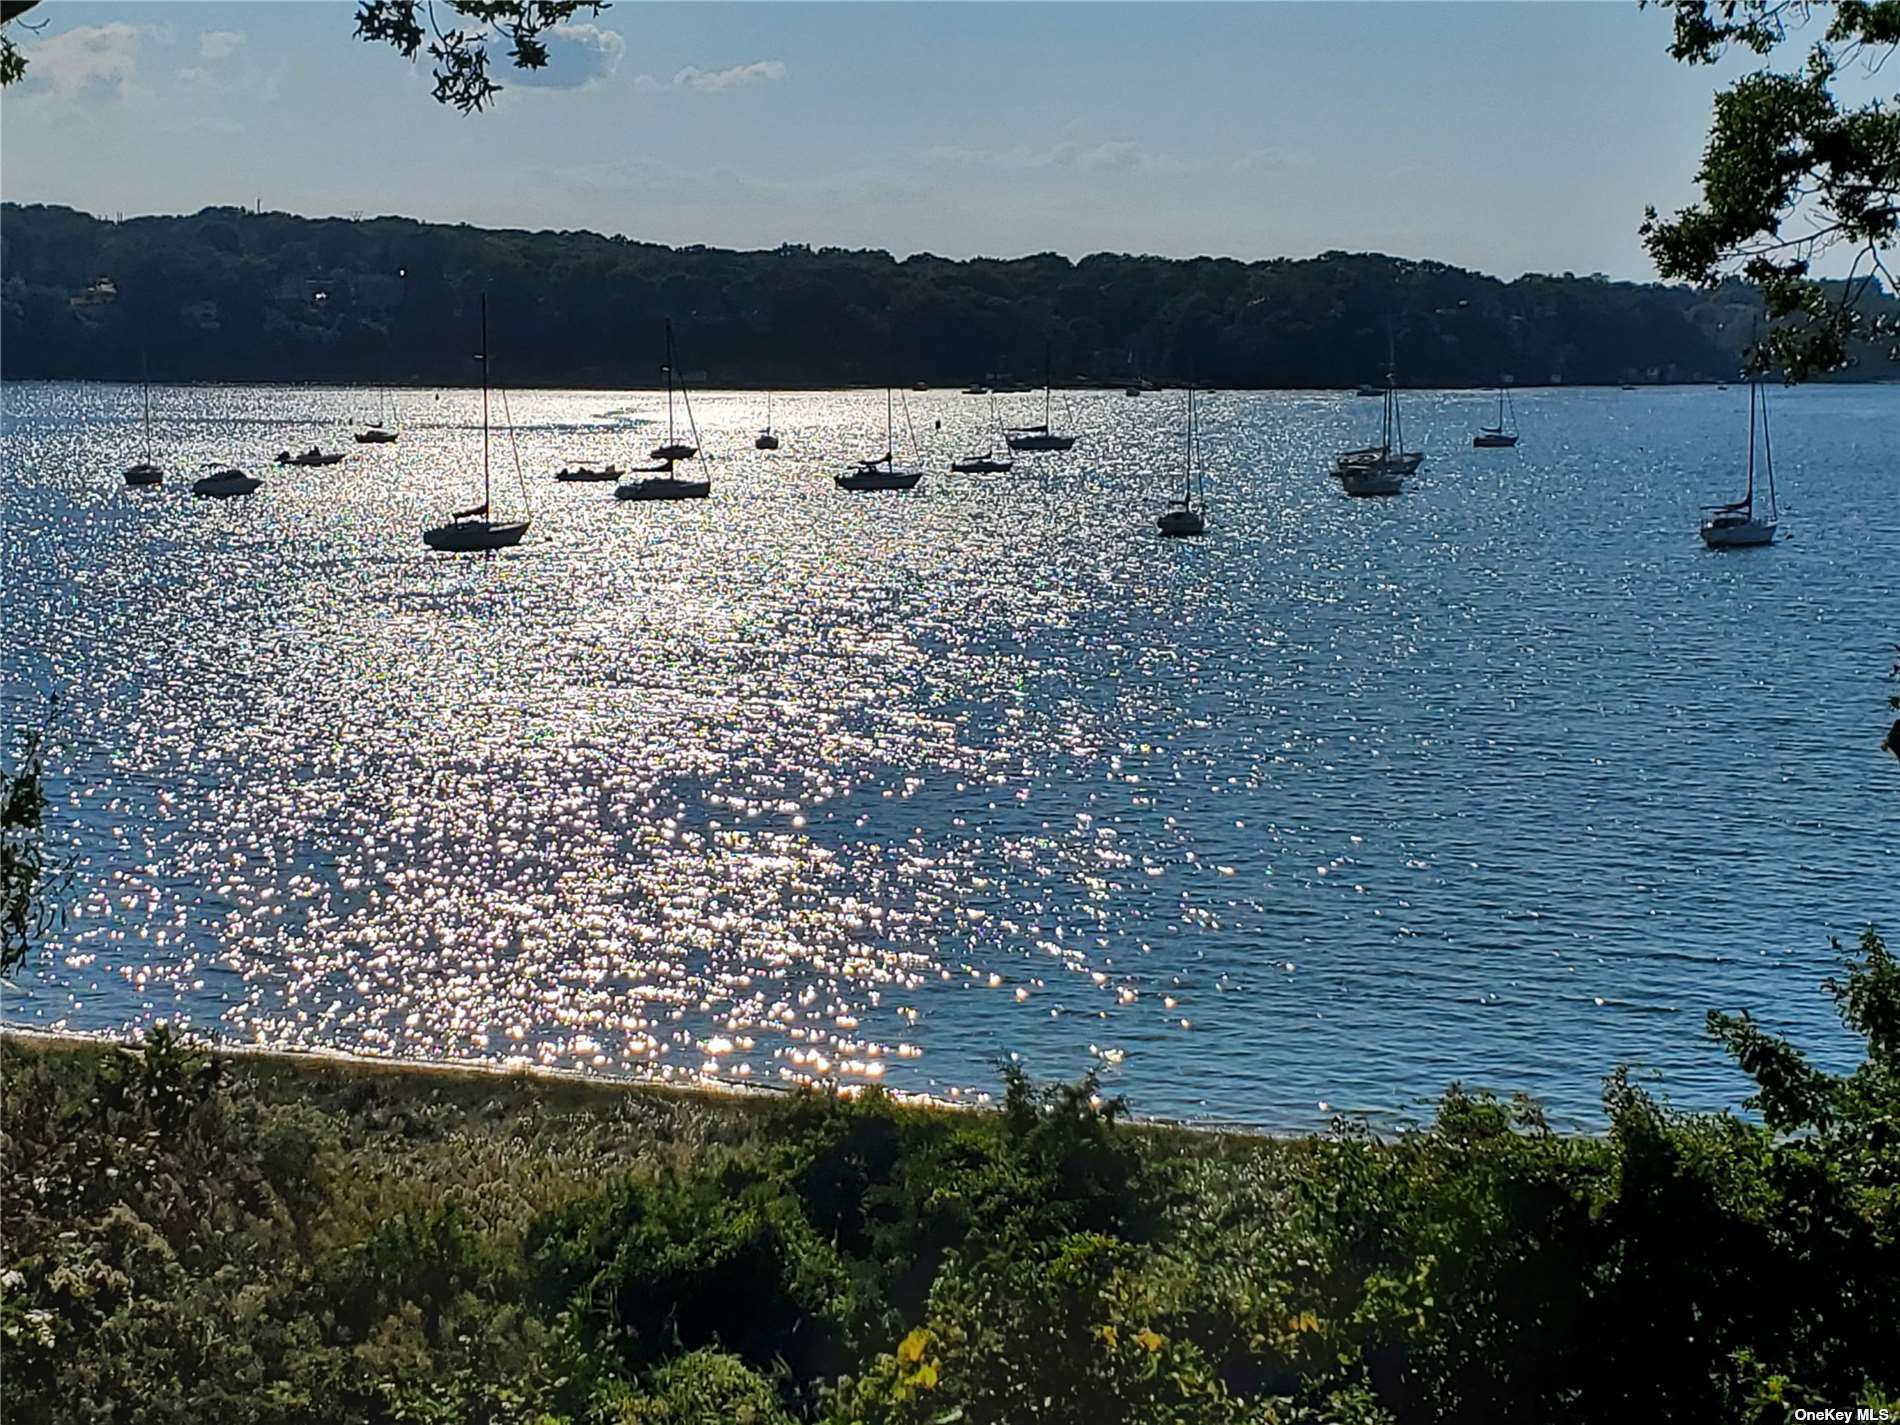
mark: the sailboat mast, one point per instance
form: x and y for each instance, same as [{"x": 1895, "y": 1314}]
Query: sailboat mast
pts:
[
  {"x": 1187, "y": 480},
  {"x": 1754, "y": 393},
  {"x": 890, "y": 438},
  {"x": 669, "y": 380},
  {"x": 145, "y": 379},
  {"x": 485, "y": 491},
  {"x": 1768, "y": 455},
  {"x": 1047, "y": 369}
]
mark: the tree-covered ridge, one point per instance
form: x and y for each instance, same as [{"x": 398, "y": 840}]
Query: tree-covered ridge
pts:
[{"x": 227, "y": 294}]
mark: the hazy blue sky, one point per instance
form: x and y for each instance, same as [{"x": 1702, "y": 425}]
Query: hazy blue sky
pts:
[{"x": 1503, "y": 136}]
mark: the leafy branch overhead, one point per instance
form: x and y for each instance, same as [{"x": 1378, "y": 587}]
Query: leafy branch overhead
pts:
[
  {"x": 460, "y": 52},
  {"x": 1792, "y": 172}
]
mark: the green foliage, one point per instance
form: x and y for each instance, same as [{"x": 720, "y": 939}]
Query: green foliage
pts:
[
  {"x": 189, "y": 1238},
  {"x": 29, "y": 903},
  {"x": 460, "y": 56},
  {"x": 1785, "y": 153},
  {"x": 225, "y": 294}
]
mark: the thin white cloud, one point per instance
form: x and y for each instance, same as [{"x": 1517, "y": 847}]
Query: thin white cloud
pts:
[
  {"x": 219, "y": 44},
  {"x": 1119, "y": 154},
  {"x": 94, "y": 62},
  {"x": 717, "y": 81},
  {"x": 578, "y": 56}
]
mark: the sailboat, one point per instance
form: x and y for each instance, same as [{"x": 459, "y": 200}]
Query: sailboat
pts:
[
  {"x": 1380, "y": 469},
  {"x": 674, "y": 449},
  {"x": 766, "y": 440},
  {"x": 660, "y": 482},
  {"x": 377, "y": 433},
  {"x": 145, "y": 472},
  {"x": 1039, "y": 437},
  {"x": 881, "y": 472},
  {"x": 1497, "y": 437},
  {"x": 1737, "y": 526},
  {"x": 986, "y": 463},
  {"x": 1181, "y": 518},
  {"x": 470, "y": 531}
]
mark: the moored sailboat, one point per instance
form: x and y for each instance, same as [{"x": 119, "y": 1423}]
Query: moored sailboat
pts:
[
  {"x": 768, "y": 439},
  {"x": 1738, "y": 525},
  {"x": 1181, "y": 518},
  {"x": 472, "y": 530},
  {"x": 377, "y": 433},
  {"x": 880, "y": 472},
  {"x": 1380, "y": 469},
  {"x": 1043, "y": 436},
  {"x": 1497, "y": 437},
  {"x": 660, "y": 482},
  {"x": 145, "y": 472}
]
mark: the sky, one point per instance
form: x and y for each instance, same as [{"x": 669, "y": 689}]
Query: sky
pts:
[{"x": 1506, "y": 137}]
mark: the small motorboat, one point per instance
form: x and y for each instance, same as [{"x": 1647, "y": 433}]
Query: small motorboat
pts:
[
  {"x": 920, "y": 385},
  {"x": 224, "y": 484},
  {"x": 984, "y": 464},
  {"x": 1131, "y": 390},
  {"x": 144, "y": 473},
  {"x": 976, "y": 390},
  {"x": 582, "y": 473},
  {"x": 312, "y": 457}
]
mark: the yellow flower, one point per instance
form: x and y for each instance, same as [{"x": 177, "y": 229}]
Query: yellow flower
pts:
[
  {"x": 1148, "y": 1338},
  {"x": 911, "y": 1350},
  {"x": 1107, "y": 1333}
]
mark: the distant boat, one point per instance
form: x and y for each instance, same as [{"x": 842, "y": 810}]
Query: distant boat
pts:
[
  {"x": 674, "y": 449},
  {"x": 1737, "y": 526},
  {"x": 226, "y": 483},
  {"x": 767, "y": 440},
  {"x": 1372, "y": 390},
  {"x": 881, "y": 472},
  {"x": 1131, "y": 390},
  {"x": 145, "y": 472},
  {"x": 472, "y": 531},
  {"x": 315, "y": 456},
  {"x": 986, "y": 463},
  {"x": 1497, "y": 437},
  {"x": 377, "y": 433},
  {"x": 583, "y": 473},
  {"x": 977, "y": 390},
  {"x": 1181, "y": 518},
  {"x": 1380, "y": 469},
  {"x": 920, "y": 386},
  {"x": 661, "y": 483},
  {"x": 982, "y": 464},
  {"x": 1039, "y": 437}
]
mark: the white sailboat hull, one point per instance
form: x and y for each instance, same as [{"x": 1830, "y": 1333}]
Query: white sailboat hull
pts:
[{"x": 1727, "y": 532}]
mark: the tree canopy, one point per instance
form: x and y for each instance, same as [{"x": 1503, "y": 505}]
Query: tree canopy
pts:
[
  {"x": 227, "y": 294},
  {"x": 1792, "y": 172}
]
